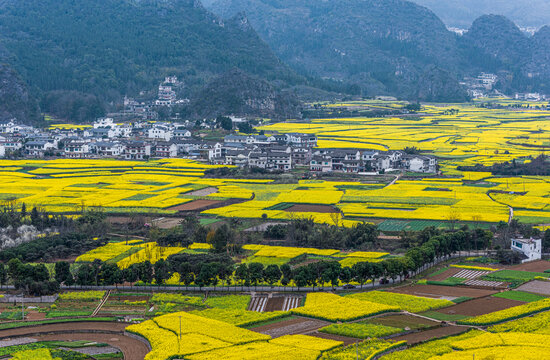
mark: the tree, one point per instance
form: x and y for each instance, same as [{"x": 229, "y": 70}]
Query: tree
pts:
[
  {"x": 255, "y": 273},
  {"x": 3, "y": 274},
  {"x": 241, "y": 274},
  {"x": 62, "y": 271},
  {"x": 84, "y": 275},
  {"x": 272, "y": 274},
  {"x": 145, "y": 272},
  {"x": 393, "y": 268},
  {"x": 224, "y": 122},
  {"x": 161, "y": 271},
  {"x": 346, "y": 275},
  {"x": 221, "y": 238},
  {"x": 246, "y": 128}
]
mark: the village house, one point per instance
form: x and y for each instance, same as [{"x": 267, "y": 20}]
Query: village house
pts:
[
  {"x": 160, "y": 132},
  {"x": 77, "y": 150},
  {"x": 107, "y": 148},
  {"x": 530, "y": 249},
  {"x": 165, "y": 150},
  {"x": 38, "y": 148},
  {"x": 137, "y": 150}
]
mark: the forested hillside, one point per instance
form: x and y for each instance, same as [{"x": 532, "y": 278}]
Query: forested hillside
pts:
[
  {"x": 395, "y": 46},
  {"x": 384, "y": 46},
  {"x": 111, "y": 48}
]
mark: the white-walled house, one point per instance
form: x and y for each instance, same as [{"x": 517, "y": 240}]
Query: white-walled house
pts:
[
  {"x": 530, "y": 248},
  {"x": 160, "y": 132}
]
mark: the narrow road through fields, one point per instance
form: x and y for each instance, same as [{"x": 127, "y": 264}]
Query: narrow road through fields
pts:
[{"x": 106, "y": 332}]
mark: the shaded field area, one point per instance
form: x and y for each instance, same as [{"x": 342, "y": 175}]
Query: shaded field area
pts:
[
  {"x": 444, "y": 331},
  {"x": 324, "y": 209},
  {"x": 297, "y": 325},
  {"x": 436, "y": 291},
  {"x": 195, "y": 205},
  {"x": 480, "y": 306}
]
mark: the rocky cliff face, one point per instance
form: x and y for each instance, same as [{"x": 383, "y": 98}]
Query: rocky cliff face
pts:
[
  {"x": 240, "y": 94},
  {"x": 15, "y": 100}
]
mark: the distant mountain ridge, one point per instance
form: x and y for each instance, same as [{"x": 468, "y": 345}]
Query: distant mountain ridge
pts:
[
  {"x": 385, "y": 46},
  {"x": 462, "y": 13},
  {"x": 389, "y": 46}
]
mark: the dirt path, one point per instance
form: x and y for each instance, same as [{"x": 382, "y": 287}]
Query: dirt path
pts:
[{"x": 107, "y": 332}]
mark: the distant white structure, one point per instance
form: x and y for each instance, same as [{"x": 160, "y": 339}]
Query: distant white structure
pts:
[{"x": 530, "y": 248}]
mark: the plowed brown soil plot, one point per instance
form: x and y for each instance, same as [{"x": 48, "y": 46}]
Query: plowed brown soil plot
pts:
[
  {"x": 35, "y": 315},
  {"x": 535, "y": 266},
  {"x": 415, "y": 338},
  {"x": 347, "y": 340},
  {"x": 312, "y": 208},
  {"x": 296, "y": 325},
  {"x": 195, "y": 205},
  {"x": 404, "y": 321},
  {"x": 537, "y": 287},
  {"x": 274, "y": 304},
  {"x": 436, "y": 291},
  {"x": 444, "y": 275},
  {"x": 480, "y": 306},
  {"x": 105, "y": 332},
  {"x": 131, "y": 348}
]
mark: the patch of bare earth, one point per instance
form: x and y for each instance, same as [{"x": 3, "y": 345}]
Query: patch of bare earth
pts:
[
  {"x": 445, "y": 275},
  {"x": 535, "y": 266},
  {"x": 480, "y": 306},
  {"x": 202, "y": 192},
  {"x": 312, "y": 208},
  {"x": 346, "y": 339},
  {"x": 195, "y": 205},
  {"x": 292, "y": 326},
  {"x": 104, "y": 332},
  {"x": 536, "y": 287},
  {"x": 404, "y": 321},
  {"x": 35, "y": 315},
  {"x": 418, "y": 337},
  {"x": 437, "y": 291}
]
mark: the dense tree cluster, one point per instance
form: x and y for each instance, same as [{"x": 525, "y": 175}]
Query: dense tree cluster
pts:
[
  {"x": 538, "y": 166},
  {"x": 306, "y": 233}
]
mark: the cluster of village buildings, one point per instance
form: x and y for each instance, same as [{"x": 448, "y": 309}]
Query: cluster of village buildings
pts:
[
  {"x": 483, "y": 86},
  {"x": 145, "y": 140}
]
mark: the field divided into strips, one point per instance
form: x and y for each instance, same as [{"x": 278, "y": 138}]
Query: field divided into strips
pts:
[
  {"x": 472, "y": 136},
  {"x": 126, "y": 253},
  {"x": 204, "y": 339}
]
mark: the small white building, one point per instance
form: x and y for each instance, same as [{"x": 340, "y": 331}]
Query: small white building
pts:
[{"x": 530, "y": 248}]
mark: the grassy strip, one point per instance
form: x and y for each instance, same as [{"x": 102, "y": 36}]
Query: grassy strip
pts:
[
  {"x": 13, "y": 325},
  {"x": 444, "y": 317},
  {"x": 60, "y": 313},
  {"x": 519, "y": 296},
  {"x": 438, "y": 272},
  {"x": 452, "y": 281},
  {"x": 461, "y": 299},
  {"x": 124, "y": 255}
]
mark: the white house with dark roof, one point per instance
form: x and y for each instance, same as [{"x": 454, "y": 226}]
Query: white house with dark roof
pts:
[{"x": 531, "y": 248}]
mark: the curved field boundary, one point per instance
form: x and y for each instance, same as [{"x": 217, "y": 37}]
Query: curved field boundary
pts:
[{"x": 133, "y": 348}]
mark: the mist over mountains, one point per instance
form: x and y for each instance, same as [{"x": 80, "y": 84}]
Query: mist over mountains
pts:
[{"x": 461, "y": 13}]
